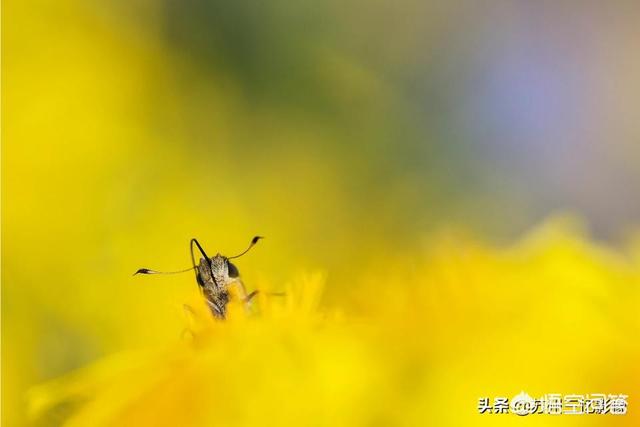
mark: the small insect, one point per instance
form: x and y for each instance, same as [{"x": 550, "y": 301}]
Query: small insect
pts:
[{"x": 215, "y": 276}]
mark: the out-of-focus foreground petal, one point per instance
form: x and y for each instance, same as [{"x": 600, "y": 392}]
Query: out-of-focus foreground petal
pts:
[{"x": 554, "y": 313}]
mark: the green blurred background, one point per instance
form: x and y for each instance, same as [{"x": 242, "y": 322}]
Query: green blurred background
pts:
[{"x": 343, "y": 131}]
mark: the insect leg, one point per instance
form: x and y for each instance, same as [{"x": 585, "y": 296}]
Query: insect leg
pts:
[{"x": 242, "y": 291}]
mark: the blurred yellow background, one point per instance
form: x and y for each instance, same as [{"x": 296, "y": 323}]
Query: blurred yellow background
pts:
[{"x": 393, "y": 154}]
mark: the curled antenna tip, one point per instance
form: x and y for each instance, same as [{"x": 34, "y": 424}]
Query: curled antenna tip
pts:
[
  {"x": 142, "y": 271},
  {"x": 253, "y": 242}
]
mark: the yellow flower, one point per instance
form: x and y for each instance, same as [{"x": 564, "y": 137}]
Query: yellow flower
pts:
[{"x": 554, "y": 313}]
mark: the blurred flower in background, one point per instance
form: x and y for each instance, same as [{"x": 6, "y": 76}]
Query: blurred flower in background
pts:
[{"x": 347, "y": 133}]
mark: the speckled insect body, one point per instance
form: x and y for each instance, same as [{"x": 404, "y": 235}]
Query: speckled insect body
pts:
[{"x": 215, "y": 276}]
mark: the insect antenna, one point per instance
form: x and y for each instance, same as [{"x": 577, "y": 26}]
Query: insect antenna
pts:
[
  {"x": 148, "y": 271},
  {"x": 253, "y": 242},
  {"x": 193, "y": 263},
  {"x": 206, "y": 257}
]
